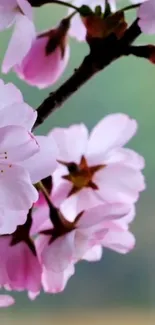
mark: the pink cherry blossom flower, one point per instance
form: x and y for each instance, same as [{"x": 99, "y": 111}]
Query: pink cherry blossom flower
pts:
[
  {"x": 24, "y": 159},
  {"x": 20, "y": 268},
  {"x": 18, "y": 12},
  {"x": 6, "y": 301},
  {"x": 95, "y": 169},
  {"x": 79, "y": 240},
  {"x": 146, "y": 15},
  {"x": 104, "y": 226},
  {"x": 45, "y": 62}
]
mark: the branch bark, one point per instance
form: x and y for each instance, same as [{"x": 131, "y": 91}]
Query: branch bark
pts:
[{"x": 102, "y": 54}]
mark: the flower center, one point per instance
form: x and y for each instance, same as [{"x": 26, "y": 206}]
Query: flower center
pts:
[{"x": 81, "y": 175}]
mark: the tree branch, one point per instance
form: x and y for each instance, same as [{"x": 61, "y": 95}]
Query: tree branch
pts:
[
  {"x": 39, "y": 3},
  {"x": 143, "y": 51},
  {"x": 102, "y": 53}
]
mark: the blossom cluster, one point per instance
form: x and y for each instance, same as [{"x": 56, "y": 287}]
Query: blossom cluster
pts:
[
  {"x": 64, "y": 196},
  {"x": 41, "y": 58},
  {"x": 67, "y": 195}
]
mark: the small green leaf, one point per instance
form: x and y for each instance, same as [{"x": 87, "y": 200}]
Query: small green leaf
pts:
[
  {"x": 98, "y": 11},
  {"x": 85, "y": 11}
]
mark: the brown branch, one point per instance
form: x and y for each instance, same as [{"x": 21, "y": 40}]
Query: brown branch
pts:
[
  {"x": 143, "y": 51},
  {"x": 39, "y": 3},
  {"x": 102, "y": 54}
]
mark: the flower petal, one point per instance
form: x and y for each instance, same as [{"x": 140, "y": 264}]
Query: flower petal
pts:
[
  {"x": 101, "y": 213},
  {"x": 7, "y": 17},
  {"x": 6, "y": 301},
  {"x": 41, "y": 220},
  {"x": 76, "y": 203},
  {"x": 16, "y": 144},
  {"x": 16, "y": 189},
  {"x": 121, "y": 242},
  {"x": 26, "y": 8},
  {"x": 9, "y": 94},
  {"x": 44, "y": 162},
  {"x": 66, "y": 138},
  {"x": 9, "y": 220},
  {"x": 125, "y": 156},
  {"x": 114, "y": 130},
  {"x": 119, "y": 183},
  {"x": 18, "y": 114},
  {"x": 59, "y": 254},
  {"x": 94, "y": 254},
  {"x": 25, "y": 27},
  {"x": 55, "y": 282}
]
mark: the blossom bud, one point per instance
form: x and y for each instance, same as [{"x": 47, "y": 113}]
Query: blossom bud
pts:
[
  {"x": 47, "y": 58},
  {"x": 98, "y": 26}
]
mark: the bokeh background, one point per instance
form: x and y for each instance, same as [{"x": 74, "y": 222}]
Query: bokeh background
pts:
[{"x": 119, "y": 289}]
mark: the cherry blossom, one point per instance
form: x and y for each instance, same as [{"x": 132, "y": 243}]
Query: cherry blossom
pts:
[
  {"x": 18, "y": 12},
  {"x": 24, "y": 159},
  {"x": 20, "y": 267},
  {"x": 97, "y": 169},
  {"x": 59, "y": 249},
  {"x": 46, "y": 59},
  {"x": 71, "y": 242}
]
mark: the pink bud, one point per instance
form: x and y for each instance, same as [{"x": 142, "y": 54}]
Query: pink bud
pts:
[{"x": 47, "y": 58}]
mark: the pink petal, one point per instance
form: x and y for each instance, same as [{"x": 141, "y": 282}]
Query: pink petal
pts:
[
  {"x": 25, "y": 27},
  {"x": 76, "y": 203},
  {"x": 9, "y": 220},
  {"x": 61, "y": 188},
  {"x": 121, "y": 242},
  {"x": 39, "y": 69},
  {"x": 101, "y": 213},
  {"x": 16, "y": 144},
  {"x": 124, "y": 222},
  {"x": 9, "y": 94},
  {"x": 94, "y": 254},
  {"x": 41, "y": 220},
  {"x": 18, "y": 114},
  {"x": 146, "y": 15},
  {"x": 125, "y": 156},
  {"x": 55, "y": 282},
  {"x": 115, "y": 130},
  {"x": 23, "y": 268},
  {"x": 6, "y": 301},
  {"x": 82, "y": 245},
  {"x": 65, "y": 139},
  {"x": 59, "y": 254},
  {"x": 26, "y": 8},
  {"x": 7, "y": 17},
  {"x": 11, "y": 4},
  {"x": 119, "y": 183},
  {"x": 44, "y": 162},
  {"x": 33, "y": 295},
  {"x": 16, "y": 190}
]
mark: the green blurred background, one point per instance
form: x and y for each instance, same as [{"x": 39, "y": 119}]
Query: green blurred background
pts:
[{"x": 117, "y": 283}]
